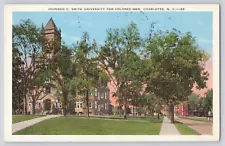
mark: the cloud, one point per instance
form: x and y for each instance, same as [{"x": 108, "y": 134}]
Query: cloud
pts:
[
  {"x": 200, "y": 22},
  {"x": 73, "y": 39},
  {"x": 78, "y": 22},
  {"x": 69, "y": 39},
  {"x": 203, "y": 40}
]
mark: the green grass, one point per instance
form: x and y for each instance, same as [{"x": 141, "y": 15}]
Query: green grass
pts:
[
  {"x": 90, "y": 126},
  {"x": 184, "y": 129},
  {"x": 202, "y": 119},
  {"x": 20, "y": 118}
]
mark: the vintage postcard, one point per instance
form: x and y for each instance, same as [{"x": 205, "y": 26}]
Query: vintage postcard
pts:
[{"x": 112, "y": 73}]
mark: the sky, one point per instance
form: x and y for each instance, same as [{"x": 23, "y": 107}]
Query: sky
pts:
[{"x": 73, "y": 24}]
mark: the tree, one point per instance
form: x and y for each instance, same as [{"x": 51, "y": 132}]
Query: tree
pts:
[
  {"x": 177, "y": 65},
  {"x": 17, "y": 76},
  {"x": 62, "y": 70},
  {"x": 90, "y": 74},
  {"x": 148, "y": 101},
  {"x": 27, "y": 39},
  {"x": 38, "y": 83},
  {"x": 208, "y": 101},
  {"x": 193, "y": 100},
  {"x": 115, "y": 110},
  {"x": 119, "y": 59}
]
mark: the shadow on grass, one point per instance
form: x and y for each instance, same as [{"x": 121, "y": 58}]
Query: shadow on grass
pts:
[{"x": 129, "y": 118}]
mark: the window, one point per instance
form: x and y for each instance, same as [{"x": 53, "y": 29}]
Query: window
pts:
[
  {"x": 90, "y": 105},
  {"x": 79, "y": 104},
  {"x": 105, "y": 106},
  {"x": 102, "y": 95},
  {"x": 91, "y": 92},
  {"x": 96, "y": 94},
  {"x": 102, "y": 105},
  {"x": 105, "y": 95},
  {"x": 47, "y": 89},
  {"x": 96, "y": 106}
]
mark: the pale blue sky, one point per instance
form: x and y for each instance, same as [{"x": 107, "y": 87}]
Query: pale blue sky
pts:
[{"x": 73, "y": 24}]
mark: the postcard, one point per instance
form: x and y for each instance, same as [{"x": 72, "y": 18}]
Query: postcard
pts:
[{"x": 112, "y": 72}]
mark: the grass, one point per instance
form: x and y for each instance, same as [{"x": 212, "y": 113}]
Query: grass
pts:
[
  {"x": 130, "y": 118},
  {"x": 202, "y": 119},
  {"x": 92, "y": 126},
  {"x": 20, "y": 118},
  {"x": 184, "y": 129}
]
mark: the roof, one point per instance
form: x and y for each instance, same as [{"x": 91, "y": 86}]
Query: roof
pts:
[{"x": 50, "y": 24}]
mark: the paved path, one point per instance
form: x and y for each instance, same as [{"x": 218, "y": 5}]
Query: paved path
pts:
[
  {"x": 24, "y": 124},
  {"x": 203, "y": 128},
  {"x": 167, "y": 128}
]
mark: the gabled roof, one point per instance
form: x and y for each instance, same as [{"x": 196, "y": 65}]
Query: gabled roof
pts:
[{"x": 50, "y": 24}]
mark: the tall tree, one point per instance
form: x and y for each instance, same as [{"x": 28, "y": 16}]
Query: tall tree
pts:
[
  {"x": 17, "y": 76},
  {"x": 90, "y": 74},
  {"x": 62, "y": 70},
  {"x": 118, "y": 57},
  {"x": 177, "y": 65},
  {"x": 27, "y": 40}
]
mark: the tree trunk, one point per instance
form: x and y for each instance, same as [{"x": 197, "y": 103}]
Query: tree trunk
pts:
[
  {"x": 133, "y": 110},
  {"x": 24, "y": 102},
  {"x": 125, "y": 111},
  {"x": 65, "y": 103},
  {"x": 87, "y": 103},
  {"x": 24, "y": 106},
  {"x": 159, "y": 107},
  {"x": 120, "y": 110},
  {"x": 33, "y": 107},
  {"x": 172, "y": 113},
  {"x": 64, "y": 109}
]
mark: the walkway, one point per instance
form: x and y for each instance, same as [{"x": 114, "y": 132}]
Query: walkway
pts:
[
  {"x": 167, "y": 128},
  {"x": 24, "y": 124},
  {"x": 203, "y": 128}
]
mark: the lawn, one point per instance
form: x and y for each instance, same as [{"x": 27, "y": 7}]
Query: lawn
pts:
[
  {"x": 20, "y": 118},
  {"x": 202, "y": 119},
  {"x": 184, "y": 129},
  {"x": 130, "y": 118},
  {"x": 92, "y": 126}
]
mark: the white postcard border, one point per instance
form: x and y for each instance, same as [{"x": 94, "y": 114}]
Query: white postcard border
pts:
[{"x": 9, "y": 9}]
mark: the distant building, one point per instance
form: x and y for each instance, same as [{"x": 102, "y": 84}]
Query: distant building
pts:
[{"x": 99, "y": 103}]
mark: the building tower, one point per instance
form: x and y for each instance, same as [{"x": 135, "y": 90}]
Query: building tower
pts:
[{"x": 52, "y": 37}]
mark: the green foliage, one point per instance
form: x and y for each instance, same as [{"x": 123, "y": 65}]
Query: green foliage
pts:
[
  {"x": 140, "y": 110},
  {"x": 27, "y": 46},
  {"x": 177, "y": 64},
  {"x": 193, "y": 100},
  {"x": 208, "y": 100},
  {"x": 17, "y": 76},
  {"x": 120, "y": 59},
  {"x": 89, "y": 73}
]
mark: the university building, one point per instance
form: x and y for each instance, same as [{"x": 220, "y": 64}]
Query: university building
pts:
[{"x": 48, "y": 103}]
